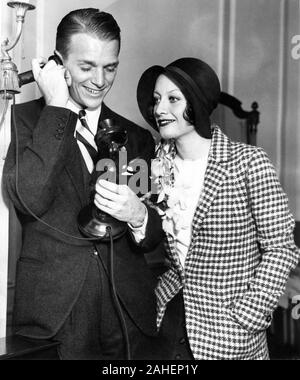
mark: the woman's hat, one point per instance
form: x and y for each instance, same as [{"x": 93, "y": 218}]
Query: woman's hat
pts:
[{"x": 196, "y": 80}]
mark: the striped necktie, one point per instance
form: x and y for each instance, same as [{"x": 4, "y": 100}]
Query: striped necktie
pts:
[{"x": 85, "y": 136}]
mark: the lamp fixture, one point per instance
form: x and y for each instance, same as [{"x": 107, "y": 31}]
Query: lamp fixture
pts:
[{"x": 9, "y": 81}]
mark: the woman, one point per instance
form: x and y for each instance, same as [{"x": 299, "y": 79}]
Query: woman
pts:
[{"x": 229, "y": 233}]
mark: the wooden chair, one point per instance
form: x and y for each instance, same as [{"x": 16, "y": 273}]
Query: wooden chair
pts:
[
  {"x": 236, "y": 122},
  {"x": 251, "y": 117}
]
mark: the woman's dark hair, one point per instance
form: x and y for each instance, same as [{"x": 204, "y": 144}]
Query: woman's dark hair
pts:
[
  {"x": 88, "y": 20},
  {"x": 188, "y": 113}
]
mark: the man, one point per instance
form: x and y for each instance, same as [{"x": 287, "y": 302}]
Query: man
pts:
[{"x": 63, "y": 290}]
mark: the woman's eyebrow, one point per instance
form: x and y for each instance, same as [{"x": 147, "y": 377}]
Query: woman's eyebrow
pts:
[
  {"x": 168, "y": 92},
  {"x": 175, "y": 89}
]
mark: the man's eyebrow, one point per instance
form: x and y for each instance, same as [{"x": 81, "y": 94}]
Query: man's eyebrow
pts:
[
  {"x": 114, "y": 63},
  {"x": 92, "y": 63},
  {"x": 86, "y": 61}
]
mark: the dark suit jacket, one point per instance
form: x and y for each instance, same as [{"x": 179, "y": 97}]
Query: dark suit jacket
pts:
[{"x": 54, "y": 184}]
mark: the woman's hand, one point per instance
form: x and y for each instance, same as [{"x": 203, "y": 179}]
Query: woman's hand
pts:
[{"x": 120, "y": 202}]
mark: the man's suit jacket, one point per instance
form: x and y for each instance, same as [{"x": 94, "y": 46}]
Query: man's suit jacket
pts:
[
  {"x": 240, "y": 256},
  {"x": 54, "y": 184}
]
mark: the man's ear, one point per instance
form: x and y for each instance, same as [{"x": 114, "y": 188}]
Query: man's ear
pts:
[
  {"x": 59, "y": 56},
  {"x": 68, "y": 77}
]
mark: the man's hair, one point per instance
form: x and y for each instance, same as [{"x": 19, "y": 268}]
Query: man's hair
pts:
[{"x": 88, "y": 20}]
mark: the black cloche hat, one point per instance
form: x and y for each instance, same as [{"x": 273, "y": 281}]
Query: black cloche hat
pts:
[{"x": 196, "y": 80}]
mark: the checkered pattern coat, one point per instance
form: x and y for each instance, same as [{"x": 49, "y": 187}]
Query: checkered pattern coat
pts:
[{"x": 240, "y": 256}]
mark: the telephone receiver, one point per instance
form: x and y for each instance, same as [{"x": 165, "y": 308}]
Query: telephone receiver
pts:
[{"x": 27, "y": 76}]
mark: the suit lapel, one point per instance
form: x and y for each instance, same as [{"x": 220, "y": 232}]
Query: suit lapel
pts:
[
  {"x": 215, "y": 175},
  {"x": 73, "y": 164},
  {"x": 107, "y": 113},
  {"x": 74, "y": 167}
]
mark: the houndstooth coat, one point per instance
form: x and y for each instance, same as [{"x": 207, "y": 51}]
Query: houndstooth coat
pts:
[{"x": 240, "y": 256}]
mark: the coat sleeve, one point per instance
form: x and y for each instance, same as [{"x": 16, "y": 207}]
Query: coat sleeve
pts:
[
  {"x": 154, "y": 233},
  {"x": 31, "y": 176},
  {"x": 279, "y": 254}
]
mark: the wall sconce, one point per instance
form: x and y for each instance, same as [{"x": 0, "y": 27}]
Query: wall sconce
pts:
[{"x": 9, "y": 81}]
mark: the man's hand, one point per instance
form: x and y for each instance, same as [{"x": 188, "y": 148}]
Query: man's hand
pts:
[
  {"x": 120, "y": 202},
  {"x": 52, "y": 82}
]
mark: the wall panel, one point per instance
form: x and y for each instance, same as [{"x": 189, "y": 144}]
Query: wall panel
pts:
[
  {"x": 290, "y": 137},
  {"x": 257, "y": 64}
]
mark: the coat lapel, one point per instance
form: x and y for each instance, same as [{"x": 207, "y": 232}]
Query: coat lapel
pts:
[
  {"x": 215, "y": 175},
  {"x": 107, "y": 113},
  {"x": 73, "y": 163},
  {"x": 74, "y": 167}
]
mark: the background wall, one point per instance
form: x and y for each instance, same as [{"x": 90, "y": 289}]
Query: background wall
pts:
[{"x": 248, "y": 43}]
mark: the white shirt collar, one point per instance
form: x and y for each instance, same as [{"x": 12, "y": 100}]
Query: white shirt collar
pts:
[{"x": 92, "y": 116}]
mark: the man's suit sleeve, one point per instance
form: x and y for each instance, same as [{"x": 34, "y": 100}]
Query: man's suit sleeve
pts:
[
  {"x": 42, "y": 148},
  {"x": 154, "y": 232},
  {"x": 279, "y": 254}
]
